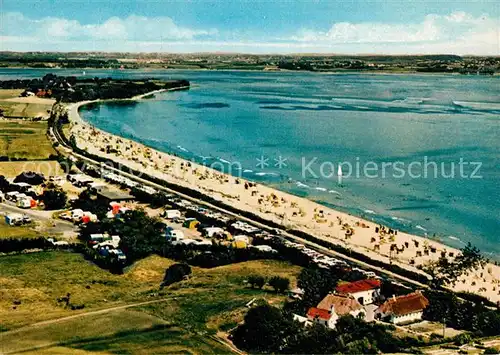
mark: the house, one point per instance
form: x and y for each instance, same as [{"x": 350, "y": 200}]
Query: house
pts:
[
  {"x": 332, "y": 307},
  {"x": 403, "y": 309},
  {"x": 342, "y": 305},
  {"x": 112, "y": 195},
  {"x": 322, "y": 316},
  {"x": 302, "y": 320},
  {"x": 364, "y": 291}
]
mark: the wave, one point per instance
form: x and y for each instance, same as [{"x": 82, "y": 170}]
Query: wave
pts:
[
  {"x": 400, "y": 219},
  {"x": 334, "y": 192},
  {"x": 300, "y": 184},
  {"x": 248, "y": 171},
  {"x": 418, "y": 226},
  {"x": 224, "y": 161},
  {"x": 369, "y": 211},
  {"x": 182, "y": 148},
  {"x": 267, "y": 174},
  {"x": 320, "y": 188}
]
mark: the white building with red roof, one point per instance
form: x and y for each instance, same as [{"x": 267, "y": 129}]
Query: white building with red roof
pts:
[
  {"x": 403, "y": 309},
  {"x": 364, "y": 291},
  {"x": 332, "y": 307}
]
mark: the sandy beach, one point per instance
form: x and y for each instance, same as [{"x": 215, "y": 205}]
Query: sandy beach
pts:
[{"x": 369, "y": 238}]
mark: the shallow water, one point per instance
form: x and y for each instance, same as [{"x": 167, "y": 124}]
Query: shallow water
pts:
[{"x": 230, "y": 117}]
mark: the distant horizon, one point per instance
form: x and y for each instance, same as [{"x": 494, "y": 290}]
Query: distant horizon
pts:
[{"x": 319, "y": 54}]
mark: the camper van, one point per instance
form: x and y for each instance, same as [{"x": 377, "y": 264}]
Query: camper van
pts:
[
  {"x": 175, "y": 236},
  {"x": 171, "y": 214},
  {"x": 14, "y": 219}
]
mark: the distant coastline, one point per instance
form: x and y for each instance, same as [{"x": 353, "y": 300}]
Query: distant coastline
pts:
[{"x": 340, "y": 72}]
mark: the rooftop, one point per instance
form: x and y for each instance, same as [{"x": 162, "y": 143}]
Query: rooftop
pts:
[
  {"x": 341, "y": 304},
  {"x": 114, "y": 195},
  {"x": 314, "y": 312},
  {"x": 358, "y": 286},
  {"x": 402, "y": 305}
]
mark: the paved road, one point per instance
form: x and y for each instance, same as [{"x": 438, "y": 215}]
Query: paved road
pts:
[{"x": 58, "y": 226}]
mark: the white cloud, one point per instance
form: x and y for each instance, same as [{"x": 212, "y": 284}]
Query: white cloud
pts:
[
  {"x": 456, "y": 33},
  {"x": 459, "y": 32},
  {"x": 130, "y": 28}
]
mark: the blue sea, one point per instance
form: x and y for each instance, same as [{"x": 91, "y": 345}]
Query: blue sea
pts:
[{"x": 419, "y": 152}]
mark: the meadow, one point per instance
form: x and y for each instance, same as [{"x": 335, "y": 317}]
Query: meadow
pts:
[
  {"x": 124, "y": 313},
  {"x": 25, "y": 139}
]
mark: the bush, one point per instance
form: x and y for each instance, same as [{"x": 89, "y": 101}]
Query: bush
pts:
[
  {"x": 54, "y": 199},
  {"x": 256, "y": 281},
  {"x": 176, "y": 273},
  {"x": 280, "y": 284}
]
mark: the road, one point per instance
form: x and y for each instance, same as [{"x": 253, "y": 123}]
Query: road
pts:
[{"x": 57, "y": 226}]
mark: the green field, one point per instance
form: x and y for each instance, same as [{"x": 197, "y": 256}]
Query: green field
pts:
[
  {"x": 25, "y": 139},
  {"x": 7, "y": 231},
  {"x": 189, "y": 317}
]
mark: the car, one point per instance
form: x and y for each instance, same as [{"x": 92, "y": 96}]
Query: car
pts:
[{"x": 26, "y": 219}]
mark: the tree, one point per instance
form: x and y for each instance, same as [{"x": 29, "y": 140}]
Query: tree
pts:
[
  {"x": 158, "y": 199},
  {"x": 445, "y": 271},
  {"x": 140, "y": 234},
  {"x": 54, "y": 199},
  {"x": 280, "y": 284},
  {"x": 31, "y": 178},
  {"x": 4, "y": 184},
  {"x": 265, "y": 330},
  {"x": 176, "y": 273},
  {"x": 256, "y": 281},
  {"x": 316, "y": 283}
]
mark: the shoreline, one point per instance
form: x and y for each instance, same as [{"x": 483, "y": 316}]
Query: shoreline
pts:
[
  {"x": 326, "y": 223},
  {"x": 345, "y": 72}
]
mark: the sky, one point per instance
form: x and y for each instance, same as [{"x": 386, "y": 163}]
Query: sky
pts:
[{"x": 253, "y": 26}]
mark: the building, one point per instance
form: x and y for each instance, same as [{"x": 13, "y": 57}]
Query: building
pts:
[
  {"x": 403, "y": 309},
  {"x": 364, "y": 291},
  {"x": 322, "y": 316},
  {"x": 342, "y": 305},
  {"x": 332, "y": 307},
  {"x": 110, "y": 195}
]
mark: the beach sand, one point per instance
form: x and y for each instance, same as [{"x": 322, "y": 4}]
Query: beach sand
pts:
[{"x": 291, "y": 211}]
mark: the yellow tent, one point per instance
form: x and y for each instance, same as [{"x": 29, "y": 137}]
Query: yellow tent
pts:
[{"x": 239, "y": 244}]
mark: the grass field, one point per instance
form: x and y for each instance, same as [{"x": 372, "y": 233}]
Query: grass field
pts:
[
  {"x": 10, "y": 93},
  {"x": 11, "y": 169},
  {"x": 25, "y": 139},
  {"x": 14, "y": 106},
  {"x": 186, "y": 320},
  {"x": 7, "y": 231}
]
